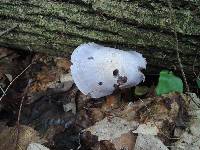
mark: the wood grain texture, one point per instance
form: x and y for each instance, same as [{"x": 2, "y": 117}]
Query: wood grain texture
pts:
[{"x": 57, "y": 27}]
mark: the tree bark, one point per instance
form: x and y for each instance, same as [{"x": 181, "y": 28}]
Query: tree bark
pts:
[{"x": 57, "y": 27}]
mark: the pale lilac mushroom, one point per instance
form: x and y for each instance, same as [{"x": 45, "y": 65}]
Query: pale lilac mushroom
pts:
[{"x": 97, "y": 70}]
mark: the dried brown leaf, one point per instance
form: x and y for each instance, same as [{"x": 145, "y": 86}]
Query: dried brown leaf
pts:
[
  {"x": 63, "y": 63},
  {"x": 8, "y": 137}
]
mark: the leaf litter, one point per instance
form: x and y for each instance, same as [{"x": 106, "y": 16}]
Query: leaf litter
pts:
[{"x": 56, "y": 115}]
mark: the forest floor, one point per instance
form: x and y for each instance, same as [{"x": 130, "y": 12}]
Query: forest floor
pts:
[{"x": 41, "y": 108}]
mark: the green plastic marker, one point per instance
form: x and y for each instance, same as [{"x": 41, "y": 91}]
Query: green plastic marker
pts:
[{"x": 168, "y": 82}]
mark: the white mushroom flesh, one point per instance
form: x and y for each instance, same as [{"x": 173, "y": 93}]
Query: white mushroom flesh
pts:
[{"x": 98, "y": 71}]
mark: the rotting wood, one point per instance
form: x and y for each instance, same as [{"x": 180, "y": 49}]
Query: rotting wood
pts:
[{"x": 57, "y": 27}]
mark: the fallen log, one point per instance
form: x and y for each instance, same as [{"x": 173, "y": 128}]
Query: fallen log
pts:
[{"x": 56, "y": 27}]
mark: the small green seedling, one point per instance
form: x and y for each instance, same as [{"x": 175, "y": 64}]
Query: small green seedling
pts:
[
  {"x": 168, "y": 82},
  {"x": 141, "y": 90}
]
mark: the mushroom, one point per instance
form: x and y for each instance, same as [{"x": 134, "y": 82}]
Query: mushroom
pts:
[{"x": 97, "y": 70}]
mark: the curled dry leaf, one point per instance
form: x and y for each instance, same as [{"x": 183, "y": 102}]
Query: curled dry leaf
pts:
[
  {"x": 63, "y": 63},
  {"x": 148, "y": 128},
  {"x": 49, "y": 77},
  {"x": 104, "y": 145},
  {"x": 149, "y": 142},
  {"x": 95, "y": 114},
  {"x": 111, "y": 128},
  {"x": 112, "y": 102},
  {"x": 125, "y": 141},
  {"x": 8, "y": 137},
  {"x": 36, "y": 146},
  {"x": 5, "y": 52}
]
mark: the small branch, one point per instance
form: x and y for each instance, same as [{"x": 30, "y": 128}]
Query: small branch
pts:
[
  {"x": 197, "y": 76},
  {"x": 79, "y": 141},
  {"x": 19, "y": 114},
  {"x": 172, "y": 16},
  {"x": 8, "y": 30},
  {"x": 13, "y": 81},
  {"x": 173, "y": 22},
  {"x": 2, "y": 90}
]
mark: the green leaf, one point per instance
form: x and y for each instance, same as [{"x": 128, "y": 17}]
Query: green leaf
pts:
[
  {"x": 168, "y": 82},
  {"x": 198, "y": 82}
]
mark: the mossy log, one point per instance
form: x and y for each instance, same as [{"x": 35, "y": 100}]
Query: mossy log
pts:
[{"x": 58, "y": 26}]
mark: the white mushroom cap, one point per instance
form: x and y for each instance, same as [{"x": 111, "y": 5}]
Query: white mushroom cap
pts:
[{"x": 98, "y": 71}]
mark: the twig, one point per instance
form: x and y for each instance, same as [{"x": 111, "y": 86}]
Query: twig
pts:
[
  {"x": 171, "y": 13},
  {"x": 13, "y": 81},
  {"x": 2, "y": 89},
  {"x": 19, "y": 114},
  {"x": 173, "y": 22},
  {"x": 8, "y": 30},
  {"x": 197, "y": 76},
  {"x": 79, "y": 141},
  {"x": 18, "y": 124}
]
